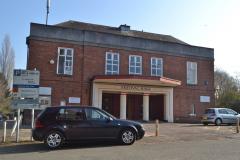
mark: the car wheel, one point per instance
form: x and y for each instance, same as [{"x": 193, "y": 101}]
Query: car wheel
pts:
[
  {"x": 218, "y": 122},
  {"x": 205, "y": 124},
  {"x": 54, "y": 139},
  {"x": 127, "y": 137}
]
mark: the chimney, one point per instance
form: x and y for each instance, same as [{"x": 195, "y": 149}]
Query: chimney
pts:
[{"x": 124, "y": 27}]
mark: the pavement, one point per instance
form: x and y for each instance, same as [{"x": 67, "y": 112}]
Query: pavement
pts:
[{"x": 176, "y": 142}]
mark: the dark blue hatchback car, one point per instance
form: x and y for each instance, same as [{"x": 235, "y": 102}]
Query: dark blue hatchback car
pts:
[{"x": 56, "y": 125}]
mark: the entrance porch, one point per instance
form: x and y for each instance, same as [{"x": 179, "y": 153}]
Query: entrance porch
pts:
[{"x": 137, "y": 97}]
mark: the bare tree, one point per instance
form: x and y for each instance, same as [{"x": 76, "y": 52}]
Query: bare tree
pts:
[
  {"x": 7, "y": 58},
  {"x": 227, "y": 93},
  {"x": 4, "y": 96}
]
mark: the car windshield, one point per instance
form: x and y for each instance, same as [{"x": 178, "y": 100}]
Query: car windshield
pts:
[
  {"x": 209, "y": 111},
  {"x": 108, "y": 114}
]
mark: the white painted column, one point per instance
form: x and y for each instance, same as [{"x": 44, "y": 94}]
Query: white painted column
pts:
[
  {"x": 100, "y": 92},
  {"x": 123, "y": 105},
  {"x": 146, "y": 107},
  {"x": 166, "y": 99},
  {"x": 165, "y": 106},
  {"x": 171, "y": 118}
]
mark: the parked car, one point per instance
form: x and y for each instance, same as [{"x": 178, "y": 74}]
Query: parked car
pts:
[
  {"x": 1, "y": 117},
  {"x": 56, "y": 125},
  {"x": 220, "y": 116}
]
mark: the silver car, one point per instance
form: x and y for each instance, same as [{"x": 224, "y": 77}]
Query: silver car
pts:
[{"x": 219, "y": 116}]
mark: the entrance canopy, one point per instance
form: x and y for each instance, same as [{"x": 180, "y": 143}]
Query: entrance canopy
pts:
[{"x": 136, "y": 79}]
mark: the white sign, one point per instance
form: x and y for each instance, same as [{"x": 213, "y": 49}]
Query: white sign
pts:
[
  {"x": 25, "y": 103},
  {"x": 205, "y": 99},
  {"x": 26, "y": 84},
  {"x": 26, "y": 93},
  {"x": 45, "y": 91},
  {"x": 74, "y": 99},
  {"x": 25, "y": 89},
  {"x": 26, "y": 77}
]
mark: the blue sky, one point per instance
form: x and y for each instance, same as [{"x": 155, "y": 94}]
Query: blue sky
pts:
[{"x": 207, "y": 23}]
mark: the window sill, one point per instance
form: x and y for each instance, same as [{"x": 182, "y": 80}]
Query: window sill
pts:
[
  {"x": 192, "y": 115},
  {"x": 64, "y": 75},
  {"x": 135, "y": 74},
  {"x": 192, "y": 84}
]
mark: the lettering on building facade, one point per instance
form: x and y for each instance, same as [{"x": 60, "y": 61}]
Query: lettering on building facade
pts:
[{"x": 135, "y": 88}]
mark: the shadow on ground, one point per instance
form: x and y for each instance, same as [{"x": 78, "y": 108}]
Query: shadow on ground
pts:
[
  {"x": 209, "y": 125},
  {"x": 41, "y": 148}
]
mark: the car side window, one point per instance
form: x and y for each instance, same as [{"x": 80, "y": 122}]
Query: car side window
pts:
[
  {"x": 71, "y": 114},
  {"x": 222, "y": 111},
  {"x": 94, "y": 114}
]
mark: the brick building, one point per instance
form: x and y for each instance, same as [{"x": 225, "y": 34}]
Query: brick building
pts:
[{"x": 131, "y": 74}]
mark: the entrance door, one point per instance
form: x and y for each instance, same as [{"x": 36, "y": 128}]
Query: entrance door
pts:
[
  {"x": 111, "y": 103},
  {"x": 134, "y": 107},
  {"x": 156, "y": 107}
]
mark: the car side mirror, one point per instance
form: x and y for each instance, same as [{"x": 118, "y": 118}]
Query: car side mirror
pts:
[{"x": 109, "y": 119}]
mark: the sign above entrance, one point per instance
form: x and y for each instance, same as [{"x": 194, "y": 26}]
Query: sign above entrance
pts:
[{"x": 135, "y": 88}]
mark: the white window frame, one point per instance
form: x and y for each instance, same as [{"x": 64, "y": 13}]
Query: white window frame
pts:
[
  {"x": 193, "y": 110},
  {"x": 112, "y": 72},
  {"x": 129, "y": 65},
  {"x": 190, "y": 68},
  {"x": 65, "y": 55},
  {"x": 156, "y": 68}
]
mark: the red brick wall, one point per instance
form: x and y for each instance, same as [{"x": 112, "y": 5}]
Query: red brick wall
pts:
[
  {"x": 40, "y": 53},
  {"x": 90, "y": 61}
]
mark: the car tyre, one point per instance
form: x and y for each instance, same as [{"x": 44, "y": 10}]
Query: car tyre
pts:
[
  {"x": 54, "y": 139},
  {"x": 127, "y": 137},
  {"x": 218, "y": 122}
]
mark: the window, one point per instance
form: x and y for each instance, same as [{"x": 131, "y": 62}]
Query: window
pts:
[
  {"x": 44, "y": 101},
  {"x": 156, "y": 67},
  {"x": 135, "y": 64},
  {"x": 209, "y": 111},
  {"x": 191, "y": 72},
  {"x": 71, "y": 114},
  {"x": 93, "y": 114},
  {"x": 112, "y": 63},
  {"x": 222, "y": 111},
  {"x": 193, "y": 112},
  {"x": 65, "y": 61}
]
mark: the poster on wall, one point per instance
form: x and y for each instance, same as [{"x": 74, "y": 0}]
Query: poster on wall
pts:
[{"x": 205, "y": 99}]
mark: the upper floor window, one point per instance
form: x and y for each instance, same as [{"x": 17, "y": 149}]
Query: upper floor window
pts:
[
  {"x": 112, "y": 63},
  {"x": 65, "y": 61},
  {"x": 156, "y": 66},
  {"x": 135, "y": 64},
  {"x": 191, "y": 72}
]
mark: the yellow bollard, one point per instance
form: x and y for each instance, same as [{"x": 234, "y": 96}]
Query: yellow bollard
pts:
[
  {"x": 157, "y": 128},
  {"x": 237, "y": 125}
]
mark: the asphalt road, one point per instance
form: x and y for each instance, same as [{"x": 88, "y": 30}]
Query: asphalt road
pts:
[
  {"x": 150, "y": 148},
  {"x": 176, "y": 142}
]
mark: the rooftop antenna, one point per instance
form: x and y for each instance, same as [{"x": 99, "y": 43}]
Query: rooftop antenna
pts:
[{"x": 48, "y": 6}]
